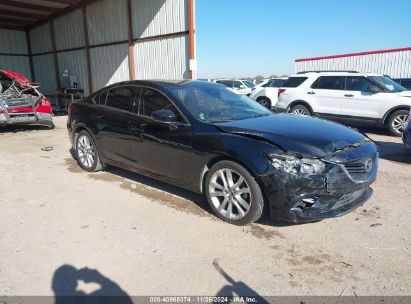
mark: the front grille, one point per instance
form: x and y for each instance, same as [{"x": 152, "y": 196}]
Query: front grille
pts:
[{"x": 362, "y": 169}]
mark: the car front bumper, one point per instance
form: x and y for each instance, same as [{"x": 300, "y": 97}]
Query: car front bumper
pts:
[{"x": 300, "y": 199}]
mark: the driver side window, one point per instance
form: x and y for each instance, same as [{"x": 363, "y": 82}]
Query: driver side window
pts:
[
  {"x": 152, "y": 100},
  {"x": 358, "y": 83}
]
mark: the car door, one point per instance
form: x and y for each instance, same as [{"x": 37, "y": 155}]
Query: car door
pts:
[
  {"x": 114, "y": 136},
  {"x": 159, "y": 148},
  {"x": 325, "y": 96},
  {"x": 240, "y": 87},
  {"x": 359, "y": 102}
]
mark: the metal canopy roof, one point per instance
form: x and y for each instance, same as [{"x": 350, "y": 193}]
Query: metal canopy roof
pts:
[{"x": 26, "y": 14}]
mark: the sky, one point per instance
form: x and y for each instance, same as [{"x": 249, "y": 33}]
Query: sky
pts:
[{"x": 239, "y": 38}]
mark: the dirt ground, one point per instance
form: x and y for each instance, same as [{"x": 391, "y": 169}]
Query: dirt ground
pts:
[{"x": 128, "y": 234}]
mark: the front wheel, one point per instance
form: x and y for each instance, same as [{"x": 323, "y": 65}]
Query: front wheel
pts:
[
  {"x": 234, "y": 194},
  {"x": 397, "y": 122},
  {"x": 87, "y": 155}
]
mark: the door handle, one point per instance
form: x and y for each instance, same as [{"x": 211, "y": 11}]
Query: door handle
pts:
[
  {"x": 311, "y": 93},
  {"x": 349, "y": 95}
]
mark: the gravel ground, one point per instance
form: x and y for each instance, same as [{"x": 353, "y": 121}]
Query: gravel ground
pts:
[{"x": 127, "y": 234}]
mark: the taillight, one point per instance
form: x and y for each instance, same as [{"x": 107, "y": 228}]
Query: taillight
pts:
[
  {"x": 45, "y": 102},
  {"x": 280, "y": 91}
]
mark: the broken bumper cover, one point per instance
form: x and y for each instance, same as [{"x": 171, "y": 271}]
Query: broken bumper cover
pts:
[
  {"x": 29, "y": 115},
  {"x": 339, "y": 190}
]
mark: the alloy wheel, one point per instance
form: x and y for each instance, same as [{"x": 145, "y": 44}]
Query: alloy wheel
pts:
[
  {"x": 299, "y": 111},
  {"x": 86, "y": 151},
  {"x": 230, "y": 194},
  {"x": 399, "y": 123},
  {"x": 264, "y": 102}
]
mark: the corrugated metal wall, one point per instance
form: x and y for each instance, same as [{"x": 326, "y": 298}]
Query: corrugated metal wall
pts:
[
  {"x": 45, "y": 73},
  {"x": 166, "y": 58},
  {"x": 107, "y": 21},
  {"x": 69, "y": 31},
  {"x": 162, "y": 59},
  {"x": 14, "y": 42},
  {"x": 40, "y": 39},
  {"x": 156, "y": 57},
  {"x": 394, "y": 64},
  {"x": 109, "y": 65},
  {"x": 19, "y": 64},
  {"x": 158, "y": 17}
]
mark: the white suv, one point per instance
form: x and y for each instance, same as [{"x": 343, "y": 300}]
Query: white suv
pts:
[
  {"x": 238, "y": 86},
  {"x": 349, "y": 97},
  {"x": 267, "y": 93}
]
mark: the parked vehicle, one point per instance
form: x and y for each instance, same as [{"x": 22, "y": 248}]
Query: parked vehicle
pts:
[
  {"x": 405, "y": 82},
  {"x": 360, "y": 99},
  {"x": 21, "y": 103},
  {"x": 242, "y": 87},
  {"x": 207, "y": 139},
  {"x": 267, "y": 94},
  {"x": 406, "y": 137}
]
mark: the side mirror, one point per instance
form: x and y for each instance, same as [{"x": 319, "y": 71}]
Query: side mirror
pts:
[
  {"x": 242, "y": 86},
  {"x": 164, "y": 115},
  {"x": 374, "y": 89}
]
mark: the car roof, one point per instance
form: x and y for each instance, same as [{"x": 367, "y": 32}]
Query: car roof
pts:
[
  {"x": 331, "y": 73},
  {"x": 162, "y": 84}
]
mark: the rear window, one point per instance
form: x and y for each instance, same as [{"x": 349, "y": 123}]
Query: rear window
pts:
[{"x": 294, "y": 82}]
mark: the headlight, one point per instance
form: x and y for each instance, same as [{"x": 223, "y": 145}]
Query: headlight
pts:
[{"x": 292, "y": 164}]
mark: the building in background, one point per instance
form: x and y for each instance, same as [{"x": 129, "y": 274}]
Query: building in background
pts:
[
  {"x": 99, "y": 42},
  {"x": 395, "y": 63}
]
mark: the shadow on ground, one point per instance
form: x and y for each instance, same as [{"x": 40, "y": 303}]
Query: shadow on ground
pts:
[
  {"x": 236, "y": 288},
  {"x": 85, "y": 285}
]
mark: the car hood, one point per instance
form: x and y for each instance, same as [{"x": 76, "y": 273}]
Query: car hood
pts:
[
  {"x": 20, "y": 78},
  {"x": 404, "y": 94},
  {"x": 306, "y": 136}
]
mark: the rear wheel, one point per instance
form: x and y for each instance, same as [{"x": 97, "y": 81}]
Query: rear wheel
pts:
[
  {"x": 264, "y": 101},
  {"x": 300, "y": 110},
  {"x": 87, "y": 154},
  {"x": 234, "y": 194},
  {"x": 397, "y": 122}
]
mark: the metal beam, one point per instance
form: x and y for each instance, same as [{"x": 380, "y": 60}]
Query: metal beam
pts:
[
  {"x": 12, "y": 13},
  {"x": 87, "y": 46},
  {"x": 54, "y": 49},
  {"x": 131, "y": 62},
  {"x": 191, "y": 33},
  {"x": 63, "y": 12},
  {"x": 12, "y": 21},
  {"x": 33, "y": 76},
  {"x": 31, "y": 6},
  {"x": 11, "y": 27},
  {"x": 70, "y": 2}
]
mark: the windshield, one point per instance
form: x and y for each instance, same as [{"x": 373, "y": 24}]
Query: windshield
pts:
[
  {"x": 387, "y": 83},
  {"x": 249, "y": 84},
  {"x": 216, "y": 103}
]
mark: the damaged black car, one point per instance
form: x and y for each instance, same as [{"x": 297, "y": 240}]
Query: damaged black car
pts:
[{"x": 242, "y": 157}]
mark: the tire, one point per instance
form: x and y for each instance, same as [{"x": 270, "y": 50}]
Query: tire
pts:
[
  {"x": 300, "y": 110},
  {"x": 238, "y": 194},
  {"x": 396, "y": 122},
  {"x": 87, "y": 154},
  {"x": 265, "y": 102}
]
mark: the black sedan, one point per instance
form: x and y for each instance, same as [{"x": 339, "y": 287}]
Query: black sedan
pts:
[{"x": 245, "y": 159}]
